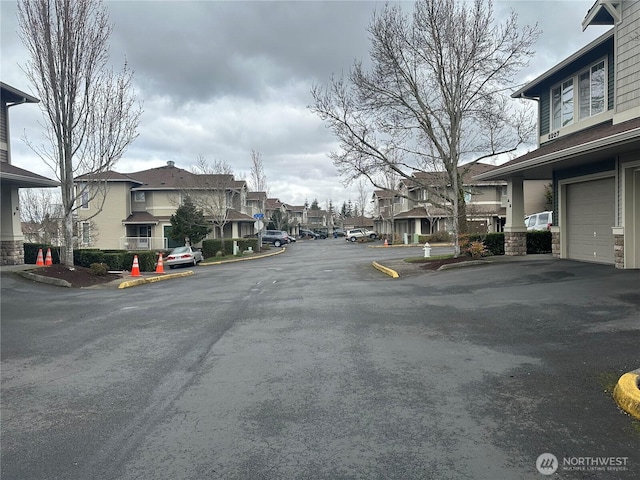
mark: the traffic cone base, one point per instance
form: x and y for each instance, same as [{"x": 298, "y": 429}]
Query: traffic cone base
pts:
[
  {"x": 48, "y": 260},
  {"x": 386, "y": 243},
  {"x": 39, "y": 260},
  {"x": 160, "y": 266},
  {"x": 135, "y": 270}
]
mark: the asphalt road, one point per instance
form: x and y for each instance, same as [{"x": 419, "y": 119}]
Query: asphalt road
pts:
[{"x": 314, "y": 365}]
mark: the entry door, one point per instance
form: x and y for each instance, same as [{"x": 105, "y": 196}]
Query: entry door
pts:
[{"x": 590, "y": 216}]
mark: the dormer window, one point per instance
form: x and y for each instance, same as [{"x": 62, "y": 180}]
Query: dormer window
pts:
[{"x": 579, "y": 97}]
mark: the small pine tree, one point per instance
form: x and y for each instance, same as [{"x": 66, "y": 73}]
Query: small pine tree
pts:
[{"x": 188, "y": 223}]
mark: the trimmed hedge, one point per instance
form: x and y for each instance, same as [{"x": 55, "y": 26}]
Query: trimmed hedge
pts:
[
  {"x": 437, "y": 237},
  {"x": 538, "y": 242},
  {"x": 31, "y": 252},
  {"x": 493, "y": 242},
  {"x": 213, "y": 246}
]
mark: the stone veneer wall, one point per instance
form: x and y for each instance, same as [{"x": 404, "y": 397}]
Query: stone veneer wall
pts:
[
  {"x": 555, "y": 244},
  {"x": 12, "y": 252},
  {"x": 515, "y": 243},
  {"x": 618, "y": 250}
]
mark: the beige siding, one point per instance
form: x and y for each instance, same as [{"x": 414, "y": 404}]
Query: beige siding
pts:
[
  {"x": 628, "y": 58},
  {"x": 106, "y": 226},
  {"x": 162, "y": 203},
  {"x": 534, "y": 196}
]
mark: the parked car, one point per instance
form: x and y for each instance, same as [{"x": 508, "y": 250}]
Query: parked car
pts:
[
  {"x": 183, "y": 256},
  {"x": 304, "y": 233},
  {"x": 291, "y": 238},
  {"x": 539, "y": 221},
  {"x": 339, "y": 232},
  {"x": 321, "y": 234},
  {"x": 356, "y": 233},
  {"x": 275, "y": 237}
]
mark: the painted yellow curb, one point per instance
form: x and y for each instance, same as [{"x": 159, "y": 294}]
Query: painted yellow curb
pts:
[
  {"x": 627, "y": 394},
  {"x": 383, "y": 269},
  {"x": 142, "y": 281}
]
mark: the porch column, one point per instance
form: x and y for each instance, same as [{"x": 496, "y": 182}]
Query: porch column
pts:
[
  {"x": 515, "y": 232},
  {"x": 12, "y": 240},
  {"x": 418, "y": 226},
  {"x": 234, "y": 230}
]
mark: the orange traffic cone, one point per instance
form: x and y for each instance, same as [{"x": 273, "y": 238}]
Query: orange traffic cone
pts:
[
  {"x": 386, "y": 244},
  {"x": 160, "y": 266},
  {"x": 135, "y": 270},
  {"x": 39, "y": 260},
  {"x": 48, "y": 261}
]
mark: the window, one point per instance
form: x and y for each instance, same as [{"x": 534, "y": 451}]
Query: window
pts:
[
  {"x": 467, "y": 197},
  {"x": 591, "y": 91},
  {"x": 86, "y": 233},
  {"x": 562, "y": 105},
  {"x": 587, "y": 99},
  {"x": 138, "y": 197},
  {"x": 84, "y": 200}
]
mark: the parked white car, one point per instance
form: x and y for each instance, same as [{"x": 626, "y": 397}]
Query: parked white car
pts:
[
  {"x": 183, "y": 256},
  {"x": 356, "y": 233},
  {"x": 539, "y": 221}
]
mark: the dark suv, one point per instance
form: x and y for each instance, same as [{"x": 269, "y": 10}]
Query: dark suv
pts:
[
  {"x": 304, "y": 233},
  {"x": 275, "y": 237}
]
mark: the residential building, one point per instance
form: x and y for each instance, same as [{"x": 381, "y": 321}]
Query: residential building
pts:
[
  {"x": 138, "y": 206},
  {"x": 588, "y": 144},
  {"x": 416, "y": 207},
  {"x": 13, "y": 178}
]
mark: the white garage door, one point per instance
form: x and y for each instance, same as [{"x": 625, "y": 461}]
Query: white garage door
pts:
[{"x": 590, "y": 216}]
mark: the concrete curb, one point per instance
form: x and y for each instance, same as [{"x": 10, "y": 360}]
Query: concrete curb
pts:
[
  {"x": 627, "y": 393},
  {"x": 282, "y": 250},
  {"x": 383, "y": 269},
  {"x": 142, "y": 281},
  {"x": 469, "y": 263},
  {"x": 42, "y": 279}
]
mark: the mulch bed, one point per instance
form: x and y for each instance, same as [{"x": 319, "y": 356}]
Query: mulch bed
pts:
[{"x": 77, "y": 276}]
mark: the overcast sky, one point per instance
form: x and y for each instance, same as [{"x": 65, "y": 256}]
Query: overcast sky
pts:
[{"x": 221, "y": 78}]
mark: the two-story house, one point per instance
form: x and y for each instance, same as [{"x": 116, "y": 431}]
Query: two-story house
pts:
[
  {"x": 138, "y": 206},
  {"x": 588, "y": 144},
  {"x": 417, "y": 207},
  {"x": 13, "y": 178}
]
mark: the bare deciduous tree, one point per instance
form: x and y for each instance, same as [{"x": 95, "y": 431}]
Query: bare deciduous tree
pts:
[
  {"x": 436, "y": 94},
  {"x": 41, "y": 211},
  {"x": 214, "y": 192},
  {"x": 258, "y": 177},
  {"x": 90, "y": 111},
  {"x": 362, "y": 200}
]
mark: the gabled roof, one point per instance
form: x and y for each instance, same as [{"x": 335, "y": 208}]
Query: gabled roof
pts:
[
  {"x": 108, "y": 176},
  {"x": 140, "y": 218},
  {"x": 235, "y": 216},
  {"x": 168, "y": 177},
  {"x": 261, "y": 196},
  {"x": 469, "y": 172},
  {"x": 603, "y": 12},
  {"x": 384, "y": 193},
  {"x": 272, "y": 204}
]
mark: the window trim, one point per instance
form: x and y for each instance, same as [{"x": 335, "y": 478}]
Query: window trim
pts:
[
  {"x": 84, "y": 204},
  {"x": 575, "y": 79}
]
